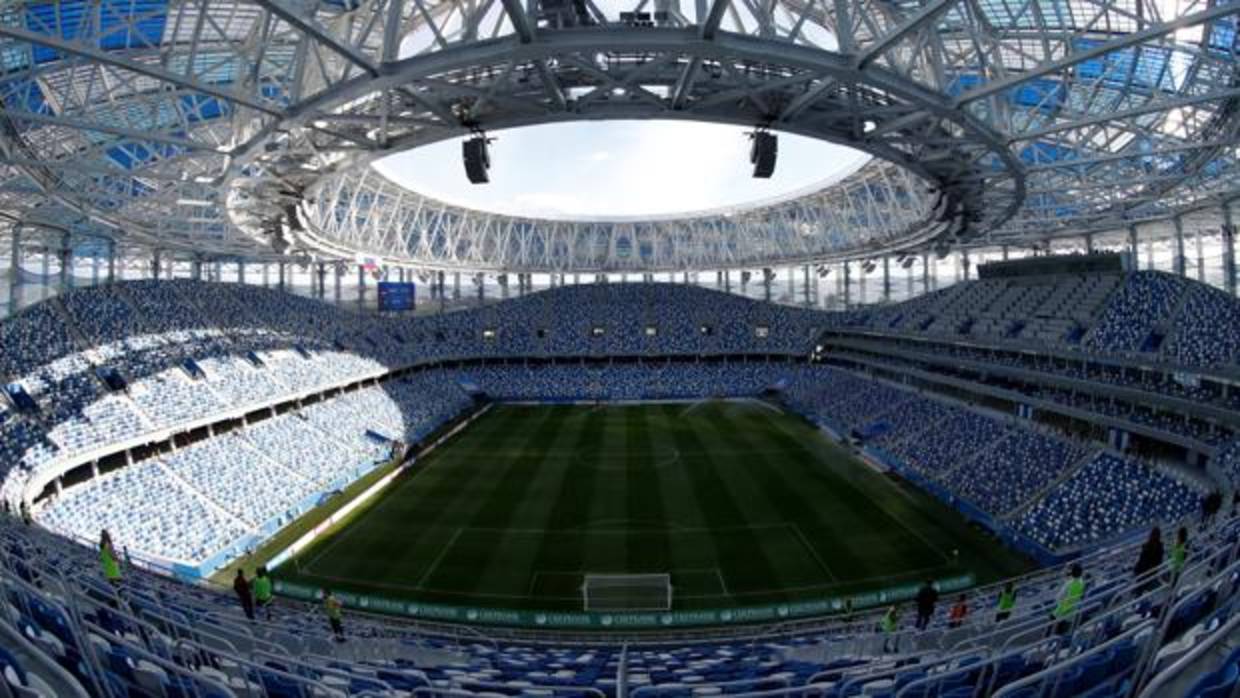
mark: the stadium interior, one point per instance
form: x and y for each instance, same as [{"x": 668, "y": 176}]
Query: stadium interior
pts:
[{"x": 961, "y": 419}]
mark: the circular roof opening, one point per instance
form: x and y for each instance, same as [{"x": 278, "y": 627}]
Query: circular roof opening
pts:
[{"x": 620, "y": 169}]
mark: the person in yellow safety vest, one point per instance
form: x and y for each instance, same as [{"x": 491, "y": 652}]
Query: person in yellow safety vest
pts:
[
  {"x": 108, "y": 560},
  {"x": 262, "y": 591},
  {"x": 1073, "y": 592},
  {"x": 889, "y": 625},
  {"x": 332, "y": 606},
  {"x": 1007, "y": 601},
  {"x": 1179, "y": 552}
]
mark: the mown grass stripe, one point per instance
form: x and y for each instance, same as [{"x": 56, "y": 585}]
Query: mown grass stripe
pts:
[
  {"x": 466, "y": 563},
  {"x": 683, "y": 508},
  {"x": 742, "y": 558},
  {"x": 506, "y": 564},
  {"x": 610, "y": 484},
  {"x": 570, "y": 506},
  {"x": 643, "y": 463},
  {"x": 769, "y": 498}
]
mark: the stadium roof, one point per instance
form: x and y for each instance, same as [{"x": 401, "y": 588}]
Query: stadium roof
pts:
[{"x": 224, "y": 127}]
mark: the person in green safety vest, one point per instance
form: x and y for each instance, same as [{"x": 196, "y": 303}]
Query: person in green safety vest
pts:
[
  {"x": 1179, "y": 553},
  {"x": 1007, "y": 601},
  {"x": 262, "y": 592},
  {"x": 108, "y": 561},
  {"x": 889, "y": 625},
  {"x": 332, "y": 607},
  {"x": 1071, "y": 595}
]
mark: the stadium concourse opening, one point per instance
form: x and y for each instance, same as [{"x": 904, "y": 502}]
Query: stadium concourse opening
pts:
[{"x": 740, "y": 503}]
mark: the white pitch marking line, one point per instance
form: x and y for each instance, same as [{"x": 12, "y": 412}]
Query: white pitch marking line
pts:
[
  {"x": 443, "y": 552},
  {"x": 812, "y": 551}
]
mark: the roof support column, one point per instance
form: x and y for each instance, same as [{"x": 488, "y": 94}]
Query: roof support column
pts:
[
  {"x": 805, "y": 273},
  {"x": 844, "y": 278},
  {"x": 156, "y": 259},
  {"x": 1134, "y": 248},
  {"x": 15, "y": 263},
  {"x": 66, "y": 263},
  {"x": 280, "y": 271},
  {"x": 1229, "y": 251},
  {"x": 111, "y": 261},
  {"x": 925, "y": 272},
  {"x": 1089, "y": 243},
  {"x": 1179, "y": 246},
  {"x": 886, "y": 279}
]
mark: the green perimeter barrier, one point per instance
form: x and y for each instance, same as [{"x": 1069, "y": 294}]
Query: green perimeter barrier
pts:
[{"x": 577, "y": 620}]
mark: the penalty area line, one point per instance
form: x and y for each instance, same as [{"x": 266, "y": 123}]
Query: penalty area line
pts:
[{"x": 443, "y": 552}]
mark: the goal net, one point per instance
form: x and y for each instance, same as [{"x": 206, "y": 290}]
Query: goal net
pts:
[{"x": 627, "y": 592}]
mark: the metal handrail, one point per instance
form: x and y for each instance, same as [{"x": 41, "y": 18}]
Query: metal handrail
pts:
[
  {"x": 1155, "y": 687},
  {"x": 1057, "y": 670}
]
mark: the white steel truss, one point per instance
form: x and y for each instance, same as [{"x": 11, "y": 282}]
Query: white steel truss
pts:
[{"x": 224, "y": 127}]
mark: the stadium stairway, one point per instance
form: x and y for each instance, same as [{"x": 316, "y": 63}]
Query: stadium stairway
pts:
[{"x": 1041, "y": 494}]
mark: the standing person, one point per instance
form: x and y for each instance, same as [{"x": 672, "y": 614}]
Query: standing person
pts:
[
  {"x": 1071, "y": 595},
  {"x": 927, "y": 597},
  {"x": 241, "y": 586},
  {"x": 1150, "y": 559},
  {"x": 107, "y": 559},
  {"x": 889, "y": 625},
  {"x": 1007, "y": 601},
  {"x": 1211, "y": 505},
  {"x": 262, "y": 591},
  {"x": 332, "y": 606},
  {"x": 959, "y": 612},
  {"x": 1179, "y": 553}
]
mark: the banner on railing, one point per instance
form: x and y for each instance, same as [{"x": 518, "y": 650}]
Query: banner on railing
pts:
[{"x": 652, "y": 620}]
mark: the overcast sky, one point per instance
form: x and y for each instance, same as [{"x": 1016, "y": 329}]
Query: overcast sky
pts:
[{"x": 617, "y": 168}]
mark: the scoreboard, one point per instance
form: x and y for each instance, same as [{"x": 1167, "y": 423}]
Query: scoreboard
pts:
[{"x": 396, "y": 296}]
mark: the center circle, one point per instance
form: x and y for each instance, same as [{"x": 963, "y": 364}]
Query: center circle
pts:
[{"x": 595, "y": 170}]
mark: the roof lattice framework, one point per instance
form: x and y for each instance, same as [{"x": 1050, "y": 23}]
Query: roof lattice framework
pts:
[{"x": 235, "y": 128}]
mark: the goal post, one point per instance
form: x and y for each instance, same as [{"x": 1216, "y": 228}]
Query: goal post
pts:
[{"x": 614, "y": 593}]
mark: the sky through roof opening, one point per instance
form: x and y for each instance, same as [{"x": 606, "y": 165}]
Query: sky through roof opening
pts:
[{"x": 606, "y": 169}]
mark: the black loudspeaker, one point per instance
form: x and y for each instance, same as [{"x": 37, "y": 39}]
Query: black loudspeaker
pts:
[
  {"x": 762, "y": 152},
  {"x": 477, "y": 161}
]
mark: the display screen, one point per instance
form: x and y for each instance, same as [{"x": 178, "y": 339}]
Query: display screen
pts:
[{"x": 396, "y": 296}]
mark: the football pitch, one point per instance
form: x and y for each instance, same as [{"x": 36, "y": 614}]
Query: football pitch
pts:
[{"x": 739, "y": 502}]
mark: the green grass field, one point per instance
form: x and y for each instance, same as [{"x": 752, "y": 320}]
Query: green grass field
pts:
[{"x": 740, "y": 503}]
